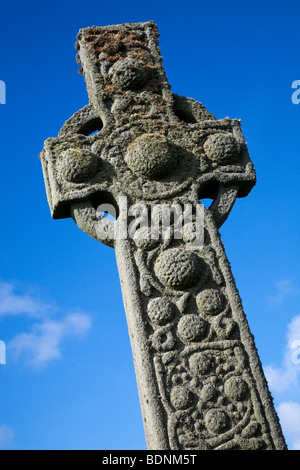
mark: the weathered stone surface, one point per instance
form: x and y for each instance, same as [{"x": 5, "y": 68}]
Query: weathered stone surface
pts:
[{"x": 199, "y": 376}]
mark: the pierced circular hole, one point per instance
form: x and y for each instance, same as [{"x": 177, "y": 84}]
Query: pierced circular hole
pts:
[
  {"x": 91, "y": 127},
  {"x": 185, "y": 115},
  {"x": 108, "y": 211},
  {"x": 208, "y": 193},
  {"x": 206, "y": 202},
  {"x": 106, "y": 205}
]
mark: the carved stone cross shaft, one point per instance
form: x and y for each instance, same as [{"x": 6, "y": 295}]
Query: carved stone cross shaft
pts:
[{"x": 200, "y": 380}]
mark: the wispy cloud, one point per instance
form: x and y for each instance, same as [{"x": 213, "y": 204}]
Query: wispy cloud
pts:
[
  {"x": 51, "y": 326},
  {"x": 44, "y": 342},
  {"x": 13, "y": 302},
  {"x": 284, "y": 382},
  {"x": 289, "y": 415},
  {"x": 283, "y": 289},
  {"x": 285, "y": 376}
]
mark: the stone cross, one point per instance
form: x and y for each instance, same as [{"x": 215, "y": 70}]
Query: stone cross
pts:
[{"x": 135, "y": 148}]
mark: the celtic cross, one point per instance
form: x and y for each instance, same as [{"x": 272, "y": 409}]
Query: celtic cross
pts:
[{"x": 199, "y": 376}]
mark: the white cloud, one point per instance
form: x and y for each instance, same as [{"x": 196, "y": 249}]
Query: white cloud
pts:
[
  {"x": 289, "y": 415},
  {"x": 44, "y": 342},
  {"x": 46, "y": 336},
  {"x": 284, "y": 379},
  {"x": 7, "y": 436},
  {"x": 14, "y": 303},
  {"x": 283, "y": 289},
  {"x": 286, "y": 376}
]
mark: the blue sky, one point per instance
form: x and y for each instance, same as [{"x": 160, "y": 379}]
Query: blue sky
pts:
[{"x": 69, "y": 381}]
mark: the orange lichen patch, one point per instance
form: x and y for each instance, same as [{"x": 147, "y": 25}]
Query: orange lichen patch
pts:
[{"x": 117, "y": 44}]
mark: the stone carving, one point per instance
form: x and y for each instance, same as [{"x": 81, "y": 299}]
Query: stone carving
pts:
[{"x": 200, "y": 380}]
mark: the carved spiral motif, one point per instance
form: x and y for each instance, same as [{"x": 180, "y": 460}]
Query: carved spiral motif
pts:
[
  {"x": 200, "y": 364},
  {"x": 129, "y": 74},
  {"x": 210, "y": 301},
  {"x": 177, "y": 268},
  {"x": 160, "y": 310},
  {"x": 191, "y": 328},
  {"x": 222, "y": 148},
  {"x": 216, "y": 420},
  {"x": 77, "y": 165},
  {"x": 181, "y": 398},
  {"x": 208, "y": 392},
  {"x": 150, "y": 156},
  {"x": 235, "y": 388}
]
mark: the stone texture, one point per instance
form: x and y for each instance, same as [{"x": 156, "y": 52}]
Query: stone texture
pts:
[{"x": 199, "y": 376}]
